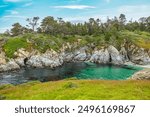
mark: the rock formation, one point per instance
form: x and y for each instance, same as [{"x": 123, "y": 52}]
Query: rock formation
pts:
[
  {"x": 100, "y": 56},
  {"x": 142, "y": 75},
  {"x": 69, "y": 53},
  {"x": 10, "y": 66},
  {"x": 115, "y": 57}
]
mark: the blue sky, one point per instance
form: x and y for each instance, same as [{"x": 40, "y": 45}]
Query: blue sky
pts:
[{"x": 12, "y": 11}]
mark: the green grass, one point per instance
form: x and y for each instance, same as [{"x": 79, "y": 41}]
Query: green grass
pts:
[{"x": 78, "y": 90}]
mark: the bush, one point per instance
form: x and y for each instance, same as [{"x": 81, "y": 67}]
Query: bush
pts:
[{"x": 13, "y": 45}]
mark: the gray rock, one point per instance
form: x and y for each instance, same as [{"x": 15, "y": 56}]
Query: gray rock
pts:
[
  {"x": 140, "y": 57},
  {"x": 48, "y": 59},
  {"x": 80, "y": 55},
  {"x": 101, "y": 56},
  {"x": 124, "y": 54},
  {"x": 10, "y": 66},
  {"x": 116, "y": 58},
  {"x": 68, "y": 57},
  {"x": 20, "y": 62},
  {"x": 142, "y": 75}
]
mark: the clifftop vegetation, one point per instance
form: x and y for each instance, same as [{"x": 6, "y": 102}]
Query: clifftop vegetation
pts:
[{"x": 53, "y": 33}]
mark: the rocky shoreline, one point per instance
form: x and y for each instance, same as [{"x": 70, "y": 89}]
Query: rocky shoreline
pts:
[
  {"x": 142, "y": 75},
  {"x": 128, "y": 54}
]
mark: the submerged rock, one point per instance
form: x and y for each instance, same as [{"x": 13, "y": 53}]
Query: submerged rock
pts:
[{"x": 142, "y": 75}]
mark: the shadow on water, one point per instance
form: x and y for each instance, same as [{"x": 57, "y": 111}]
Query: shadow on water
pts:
[{"x": 80, "y": 70}]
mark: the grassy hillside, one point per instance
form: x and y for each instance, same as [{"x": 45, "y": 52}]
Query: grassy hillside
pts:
[{"x": 78, "y": 89}]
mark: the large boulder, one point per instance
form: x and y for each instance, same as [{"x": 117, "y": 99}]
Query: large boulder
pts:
[
  {"x": 142, "y": 75},
  {"x": 10, "y": 66},
  {"x": 100, "y": 56},
  {"x": 115, "y": 57}
]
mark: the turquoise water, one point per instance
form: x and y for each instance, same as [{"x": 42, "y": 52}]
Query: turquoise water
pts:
[
  {"x": 80, "y": 70},
  {"x": 107, "y": 72}
]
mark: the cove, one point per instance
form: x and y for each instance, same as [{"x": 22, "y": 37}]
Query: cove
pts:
[{"x": 79, "y": 70}]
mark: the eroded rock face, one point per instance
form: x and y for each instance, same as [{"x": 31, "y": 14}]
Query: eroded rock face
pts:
[
  {"x": 67, "y": 57},
  {"x": 49, "y": 59},
  {"x": 140, "y": 57},
  {"x": 100, "y": 56},
  {"x": 115, "y": 56},
  {"x": 142, "y": 75},
  {"x": 136, "y": 54},
  {"x": 10, "y": 66},
  {"x": 80, "y": 55},
  {"x": 20, "y": 56},
  {"x": 2, "y": 58},
  {"x": 124, "y": 54},
  {"x": 22, "y": 53}
]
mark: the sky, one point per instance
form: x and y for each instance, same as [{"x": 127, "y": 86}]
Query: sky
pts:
[{"x": 12, "y": 11}]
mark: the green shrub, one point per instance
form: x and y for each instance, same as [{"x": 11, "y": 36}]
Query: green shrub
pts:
[{"x": 13, "y": 45}]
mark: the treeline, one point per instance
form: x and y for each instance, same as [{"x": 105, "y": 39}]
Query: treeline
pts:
[{"x": 96, "y": 27}]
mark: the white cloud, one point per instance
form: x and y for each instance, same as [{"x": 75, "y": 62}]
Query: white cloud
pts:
[
  {"x": 28, "y": 4},
  {"x": 12, "y": 0},
  {"x": 74, "y": 7}
]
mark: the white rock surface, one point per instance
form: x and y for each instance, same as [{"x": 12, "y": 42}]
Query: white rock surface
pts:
[{"x": 11, "y": 65}]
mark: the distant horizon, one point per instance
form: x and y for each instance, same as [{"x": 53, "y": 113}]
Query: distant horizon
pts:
[{"x": 12, "y": 11}]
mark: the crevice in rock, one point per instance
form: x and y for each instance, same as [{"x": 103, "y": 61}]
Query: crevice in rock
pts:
[
  {"x": 110, "y": 59},
  {"x": 25, "y": 61}
]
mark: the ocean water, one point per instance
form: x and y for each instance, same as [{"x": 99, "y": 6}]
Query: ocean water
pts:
[{"x": 79, "y": 70}]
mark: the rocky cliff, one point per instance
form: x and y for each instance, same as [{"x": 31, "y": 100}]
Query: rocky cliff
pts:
[{"x": 51, "y": 58}]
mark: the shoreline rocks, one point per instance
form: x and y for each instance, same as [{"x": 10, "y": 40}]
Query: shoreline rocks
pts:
[
  {"x": 142, "y": 75},
  {"x": 10, "y": 66}
]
